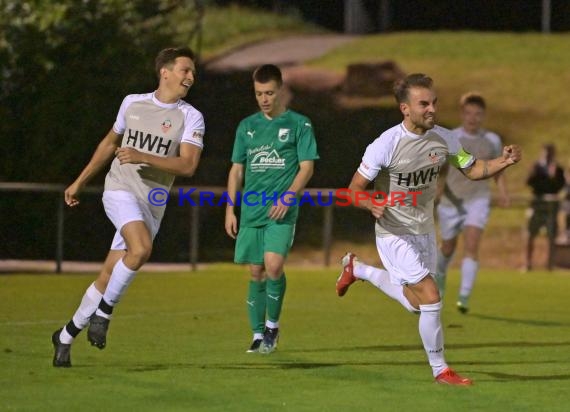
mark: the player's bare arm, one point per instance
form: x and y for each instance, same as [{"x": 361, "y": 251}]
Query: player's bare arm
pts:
[
  {"x": 303, "y": 176},
  {"x": 235, "y": 182},
  {"x": 483, "y": 169},
  {"x": 359, "y": 184},
  {"x": 183, "y": 165},
  {"x": 103, "y": 155}
]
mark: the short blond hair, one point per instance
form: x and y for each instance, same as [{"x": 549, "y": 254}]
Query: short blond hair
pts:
[{"x": 472, "y": 98}]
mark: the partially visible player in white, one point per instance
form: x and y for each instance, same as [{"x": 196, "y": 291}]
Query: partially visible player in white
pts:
[
  {"x": 156, "y": 137},
  {"x": 408, "y": 158},
  {"x": 465, "y": 204}
]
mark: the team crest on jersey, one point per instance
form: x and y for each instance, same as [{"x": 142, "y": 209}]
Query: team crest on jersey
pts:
[
  {"x": 434, "y": 157},
  {"x": 283, "y": 135},
  {"x": 166, "y": 125}
]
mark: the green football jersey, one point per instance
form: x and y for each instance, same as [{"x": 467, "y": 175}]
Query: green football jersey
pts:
[{"x": 271, "y": 150}]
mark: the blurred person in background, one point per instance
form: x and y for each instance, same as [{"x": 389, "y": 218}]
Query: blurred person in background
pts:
[
  {"x": 465, "y": 204},
  {"x": 546, "y": 180},
  {"x": 566, "y": 207}
]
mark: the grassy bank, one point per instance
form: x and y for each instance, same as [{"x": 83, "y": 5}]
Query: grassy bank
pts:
[{"x": 523, "y": 76}]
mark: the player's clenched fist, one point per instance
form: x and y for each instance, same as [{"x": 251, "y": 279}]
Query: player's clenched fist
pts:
[{"x": 512, "y": 153}]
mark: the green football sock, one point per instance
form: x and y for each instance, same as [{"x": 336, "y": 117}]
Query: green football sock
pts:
[
  {"x": 275, "y": 294},
  {"x": 256, "y": 303}
]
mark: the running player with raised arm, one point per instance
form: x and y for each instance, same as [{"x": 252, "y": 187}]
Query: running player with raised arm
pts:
[{"x": 408, "y": 158}]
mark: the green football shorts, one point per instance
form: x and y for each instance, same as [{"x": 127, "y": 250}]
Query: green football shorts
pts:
[{"x": 253, "y": 242}]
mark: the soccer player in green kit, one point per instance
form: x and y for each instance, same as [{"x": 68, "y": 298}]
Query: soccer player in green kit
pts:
[{"x": 273, "y": 154}]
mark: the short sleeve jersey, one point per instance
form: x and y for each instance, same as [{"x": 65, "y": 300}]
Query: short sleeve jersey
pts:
[
  {"x": 400, "y": 162},
  {"x": 483, "y": 145},
  {"x": 151, "y": 126},
  {"x": 271, "y": 150}
]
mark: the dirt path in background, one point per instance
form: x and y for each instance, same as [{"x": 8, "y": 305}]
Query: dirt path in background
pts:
[{"x": 282, "y": 52}]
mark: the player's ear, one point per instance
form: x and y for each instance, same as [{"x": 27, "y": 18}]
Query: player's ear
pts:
[{"x": 404, "y": 108}]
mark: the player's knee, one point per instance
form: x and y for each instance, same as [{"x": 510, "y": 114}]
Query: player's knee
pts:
[
  {"x": 274, "y": 272},
  {"x": 257, "y": 276},
  {"x": 138, "y": 256},
  {"x": 432, "y": 300}
]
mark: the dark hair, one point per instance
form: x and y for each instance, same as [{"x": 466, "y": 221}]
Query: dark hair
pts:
[
  {"x": 550, "y": 152},
  {"x": 473, "y": 98},
  {"x": 167, "y": 57},
  {"x": 267, "y": 73},
  {"x": 402, "y": 87}
]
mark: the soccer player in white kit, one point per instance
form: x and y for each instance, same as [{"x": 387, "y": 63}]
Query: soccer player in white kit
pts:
[
  {"x": 404, "y": 160},
  {"x": 156, "y": 137},
  {"x": 465, "y": 204}
]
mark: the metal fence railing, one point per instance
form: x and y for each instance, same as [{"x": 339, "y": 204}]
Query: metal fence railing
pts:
[
  {"x": 194, "y": 224},
  {"x": 323, "y": 194}
]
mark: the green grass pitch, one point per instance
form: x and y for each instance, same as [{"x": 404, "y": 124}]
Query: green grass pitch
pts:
[{"x": 178, "y": 341}]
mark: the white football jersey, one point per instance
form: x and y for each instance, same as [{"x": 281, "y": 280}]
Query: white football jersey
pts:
[
  {"x": 400, "y": 162},
  {"x": 151, "y": 126}
]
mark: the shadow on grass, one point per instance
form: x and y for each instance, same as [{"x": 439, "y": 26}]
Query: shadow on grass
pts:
[
  {"x": 494, "y": 376},
  {"x": 512, "y": 377},
  {"x": 397, "y": 348},
  {"x": 528, "y": 322}
]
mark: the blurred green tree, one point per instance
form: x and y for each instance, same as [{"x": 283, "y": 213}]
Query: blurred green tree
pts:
[{"x": 65, "y": 66}]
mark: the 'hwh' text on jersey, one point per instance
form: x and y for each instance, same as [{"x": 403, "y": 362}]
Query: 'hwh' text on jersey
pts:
[
  {"x": 156, "y": 144},
  {"x": 418, "y": 177}
]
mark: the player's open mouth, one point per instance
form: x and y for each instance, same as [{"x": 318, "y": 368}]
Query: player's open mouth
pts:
[{"x": 187, "y": 84}]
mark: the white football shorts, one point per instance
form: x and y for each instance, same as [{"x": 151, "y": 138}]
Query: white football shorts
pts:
[
  {"x": 452, "y": 219},
  {"x": 123, "y": 207},
  {"x": 408, "y": 258}
]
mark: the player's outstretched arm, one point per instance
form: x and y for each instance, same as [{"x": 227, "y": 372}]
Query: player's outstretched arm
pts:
[
  {"x": 483, "y": 169},
  {"x": 103, "y": 154},
  {"x": 235, "y": 180},
  {"x": 183, "y": 165}
]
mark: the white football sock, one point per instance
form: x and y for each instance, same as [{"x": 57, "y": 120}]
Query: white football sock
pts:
[
  {"x": 121, "y": 278},
  {"x": 272, "y": 325},
  {"x": 86, "y": 308},
  {"x": 432, "y": 336},
  {"x": 469, "y": 268},
  {"x": 65, "y": 337},
  {"x": 381, "y": 279}
]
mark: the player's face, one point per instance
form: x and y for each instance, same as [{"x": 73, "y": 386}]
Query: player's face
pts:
[
  {"x": 268, "y": 96},
  {"x": 181, "y": 76},
  {"x": 472, "y": 117},
  {"x": 419, "y": 111}
]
